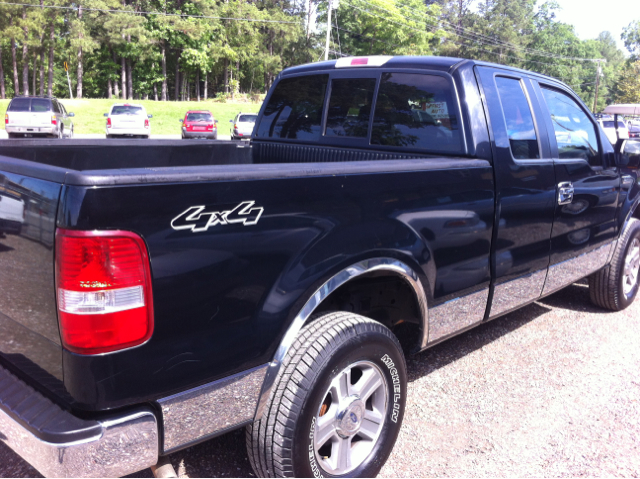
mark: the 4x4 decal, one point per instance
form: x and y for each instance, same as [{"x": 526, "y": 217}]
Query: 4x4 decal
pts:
[{"x": 197, "y": 220}]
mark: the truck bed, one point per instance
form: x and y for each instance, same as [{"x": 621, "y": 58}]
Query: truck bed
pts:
[{"x": 222, "y": 297}]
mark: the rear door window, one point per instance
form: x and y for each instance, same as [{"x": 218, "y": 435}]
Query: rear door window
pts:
[
  {"x": 418, "y": 111},
  {"x": 518, "y": 118},
  {"x": 20, "y": 104},
  {"x": 350, "y": 107},
  {"x": 294, "y": 110}
]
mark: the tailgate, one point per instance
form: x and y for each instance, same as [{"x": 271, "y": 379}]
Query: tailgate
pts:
[
  {"x": 127, "y": 121},
  {"x": 29, "y": 336},
  {"x": 20, "y": 118}
]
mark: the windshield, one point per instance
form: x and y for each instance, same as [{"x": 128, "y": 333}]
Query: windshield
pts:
[
  {"x": 248, "y": 118},
  {"x": 127, "y": 110},
  {"x": 199, "y": 117},
  {"x": 30, "y": 104},
  {"x": 610, "y": 124}
]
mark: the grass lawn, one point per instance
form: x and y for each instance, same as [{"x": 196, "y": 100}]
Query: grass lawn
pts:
[{"x": 166, "y": 114}]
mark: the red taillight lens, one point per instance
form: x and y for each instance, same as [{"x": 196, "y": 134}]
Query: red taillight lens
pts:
[
  {"x": 146, "y": 122},
  {"x": 54, "y": 120},
  {"x": 108, "y": 122},
  {"x": 103, "y": 290},
  {"x": 6, "y": 118},
  {"x": 360, "y": 61}
]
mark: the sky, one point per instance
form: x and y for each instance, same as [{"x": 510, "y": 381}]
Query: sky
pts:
[{"x": 590, "y": 17}]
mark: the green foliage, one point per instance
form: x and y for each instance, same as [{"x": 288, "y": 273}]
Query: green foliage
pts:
[
  {"x": 239, "y": 46},
  {"x": 628, "y": 85}
]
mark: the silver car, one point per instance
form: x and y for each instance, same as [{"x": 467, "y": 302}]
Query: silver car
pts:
[
  {"x": 243, "y": 125},
  {"x": 29, "y": 116}
]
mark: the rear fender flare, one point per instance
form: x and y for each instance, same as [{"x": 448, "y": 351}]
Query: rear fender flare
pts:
[{"x": 392, "y": 265}]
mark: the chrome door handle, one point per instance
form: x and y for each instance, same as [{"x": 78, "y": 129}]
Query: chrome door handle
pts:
[{"x": 565, "y": 193}]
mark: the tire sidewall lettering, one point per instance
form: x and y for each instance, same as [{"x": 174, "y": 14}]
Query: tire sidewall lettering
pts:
[
  {"x": 395, "y": 385},
  {"x": 395, "y": 395}
]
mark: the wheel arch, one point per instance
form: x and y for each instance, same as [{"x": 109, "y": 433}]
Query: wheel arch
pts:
[{"x": 379, "y": 266}]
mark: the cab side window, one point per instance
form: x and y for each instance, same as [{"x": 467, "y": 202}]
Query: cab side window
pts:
[
  {"x": 575, "y": 133},
  {"x": 518, "y": 118},
  {"x": 350, "y": 107}
]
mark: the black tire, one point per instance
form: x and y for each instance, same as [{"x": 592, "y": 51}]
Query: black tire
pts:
[
  {"x": 607, "y": 286},
  {"x": 281, "y": 443}
]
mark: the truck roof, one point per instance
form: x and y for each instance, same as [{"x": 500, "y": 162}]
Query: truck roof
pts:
[{"x": 414, "y": 62}]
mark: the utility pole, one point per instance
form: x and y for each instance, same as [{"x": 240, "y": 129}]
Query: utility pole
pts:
[
  {"x": 598, "y": 75},
  {"x": 326, "y": 47}
]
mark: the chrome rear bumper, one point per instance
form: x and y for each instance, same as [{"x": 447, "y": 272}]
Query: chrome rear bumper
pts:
[{"x": 59, "y": 444}]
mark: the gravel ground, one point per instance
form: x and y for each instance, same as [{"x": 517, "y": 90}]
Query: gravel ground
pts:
[{"x": 550, "y": 390}]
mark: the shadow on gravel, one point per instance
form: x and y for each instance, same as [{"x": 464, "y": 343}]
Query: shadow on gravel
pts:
[
  {"x": 459, "y": 346},
  {"x": 574, "y": 298},
  {"x": 223, "y": 456}
]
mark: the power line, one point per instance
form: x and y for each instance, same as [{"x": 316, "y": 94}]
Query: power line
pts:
[{"x": 86, "y": 9}]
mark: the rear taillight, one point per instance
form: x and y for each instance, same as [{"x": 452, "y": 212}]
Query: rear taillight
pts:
[
  {"x": 146, "y": 122},
  {"x": 103, "y": 288},
  {"x": 6, "y": 118},
  {"x": 54, "y": 120},
  {"x": 235, "y": 126},
  {"x": 108, "y": 122}
]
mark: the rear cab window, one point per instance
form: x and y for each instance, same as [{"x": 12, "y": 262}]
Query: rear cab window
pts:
[
  {"x": 127, "y": 110},
  {"x": 34, "y": 105},
  {"x": 199, "y": 117},
  {"x": 20, "y": 105},
  {"x": 419, "y": 111},
  {"x": 294, "y": 110},
  {"x": 350, "y": 107},
  {"x": 247, "y": 118},
  {"x": 368, "y": 109}
]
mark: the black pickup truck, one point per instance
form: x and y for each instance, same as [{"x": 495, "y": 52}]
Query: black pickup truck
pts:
[{"x": 160, "y": 293}]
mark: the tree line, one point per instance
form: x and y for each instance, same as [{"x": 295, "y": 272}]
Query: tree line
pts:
[{"x": 199, "y": 49}]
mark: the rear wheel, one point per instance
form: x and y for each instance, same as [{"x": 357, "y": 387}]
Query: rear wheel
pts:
[
  {"x": 615, "y": 286},
  {"x": 337, "y": 404}
]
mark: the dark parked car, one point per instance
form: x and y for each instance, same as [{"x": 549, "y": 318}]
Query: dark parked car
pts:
[{"x": 195, "y": 288}]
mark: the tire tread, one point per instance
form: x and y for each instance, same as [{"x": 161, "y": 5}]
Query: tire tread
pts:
[{"x": 268, "y": 439}]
